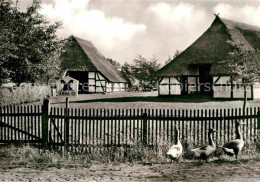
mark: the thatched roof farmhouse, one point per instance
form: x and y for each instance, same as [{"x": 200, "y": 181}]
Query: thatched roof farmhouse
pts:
[
  {"x": 84, "y": 62},
  {"x": 205, "y": 62}
]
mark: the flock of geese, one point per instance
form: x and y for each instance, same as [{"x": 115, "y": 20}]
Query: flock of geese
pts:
[{"x": 232, "y": 148}]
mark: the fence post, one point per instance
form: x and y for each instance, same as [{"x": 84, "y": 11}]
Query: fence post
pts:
[
  {"x": 258, "y": 120},
  {"x": 144, "y": 129},
  {"x": 67, "y": 123},
  {"x": 45, "y": 121}
]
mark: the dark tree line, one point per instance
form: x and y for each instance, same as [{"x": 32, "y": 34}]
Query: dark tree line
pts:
[
  {"x": 141, "y": 72},
  {"x": 29, "y": 45}
]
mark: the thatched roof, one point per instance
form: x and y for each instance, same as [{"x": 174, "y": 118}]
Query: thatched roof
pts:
[
  {"x": 212, "y": 47},
  {"x": 82, "y": 55}
]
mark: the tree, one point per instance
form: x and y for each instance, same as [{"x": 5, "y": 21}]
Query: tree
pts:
[
  {"x": 114, "y": 63},
  {"x": 29, "y": 46},
  {"x": 244, "y": 67},
  {"x": 144, "y": 71},
  {"x": 127, "y": 71}
]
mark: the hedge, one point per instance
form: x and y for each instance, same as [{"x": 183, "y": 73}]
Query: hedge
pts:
[{"x": 24, "y": 94}]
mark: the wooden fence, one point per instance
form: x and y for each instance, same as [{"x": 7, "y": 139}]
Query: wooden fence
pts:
[
  {"x": 21, "y": 124},
  {"x": 121, "y": 127}
]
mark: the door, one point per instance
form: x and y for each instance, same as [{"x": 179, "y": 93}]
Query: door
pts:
[{"x": 205, "y": 79}]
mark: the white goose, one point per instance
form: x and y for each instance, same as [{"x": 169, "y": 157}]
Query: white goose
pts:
[
  {"x": 234, "y": 147},
  {"x": 175, "y": 151},
  {"x": 205, "y": 151}
]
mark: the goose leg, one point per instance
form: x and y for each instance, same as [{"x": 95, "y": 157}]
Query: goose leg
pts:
[
  {"x": 230, "y": 159},
  {"x": 207, "y": 160},
  {"x": 179, "y": 160}
]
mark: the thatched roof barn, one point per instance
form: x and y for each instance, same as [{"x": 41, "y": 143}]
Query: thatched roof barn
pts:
[
  {"x": 205, "y": 61},
  {"x": 84, "y": 62}
]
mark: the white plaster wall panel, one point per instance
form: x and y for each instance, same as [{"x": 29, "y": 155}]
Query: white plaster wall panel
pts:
[
  {"x": 91, "y": 74},
  {"x": 256, "y": 91},
  {"x": 91, "y": 89},
  {"x": 98, "y": 83},
  {"x": 100, "y": 77},
  {"x": 175, "y": 90},
  {"x": 222, "y": 80},
  {"x": 165, "y": 80},
  {"x": 164, "y": 89},
  {"x": 174, "y": 80},
  {"x": 91, "y": 82},
  {"x": 99, "y": 89},
  {"x": 122, "y": 85},
  {"x": 222, "y": 91}
]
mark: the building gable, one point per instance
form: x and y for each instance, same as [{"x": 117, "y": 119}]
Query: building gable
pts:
[
  {"x": 82, "y": 55},
  {"x": 75, "y": 59},
  {"x": 212, "y": 47}
]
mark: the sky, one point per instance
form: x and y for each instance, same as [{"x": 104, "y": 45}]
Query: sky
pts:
[{"x": 123, "y": 29}]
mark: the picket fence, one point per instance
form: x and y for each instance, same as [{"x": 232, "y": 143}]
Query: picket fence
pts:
[{"x": 74, "y": 127}]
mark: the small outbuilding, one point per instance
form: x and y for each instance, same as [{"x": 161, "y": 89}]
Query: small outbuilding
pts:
[
  {"x": 83, "y": 62},
  {"x": 67, "y": 86},
  {"x": 201, "y": 68}
]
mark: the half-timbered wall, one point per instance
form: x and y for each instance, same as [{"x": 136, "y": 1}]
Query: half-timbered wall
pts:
[
  {"x": 173, "y": 86},
  {"x": 118, "y": 87},
  {"x": 109, "y": 87},
  {"x": 92, "y": 82},
  {"x": 256, "y": 90},
  {"x": 223, "y": 87},
  {"x": 96, "y": 82},
  {"x": 100, "y": 83},
  {"x": 169, "y": 86}
]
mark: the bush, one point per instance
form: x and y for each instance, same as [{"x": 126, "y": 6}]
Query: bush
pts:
[{"x": 24, "y": 94}]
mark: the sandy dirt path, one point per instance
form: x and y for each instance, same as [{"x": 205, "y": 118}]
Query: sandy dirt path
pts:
[{"x": 188, "y": 171}]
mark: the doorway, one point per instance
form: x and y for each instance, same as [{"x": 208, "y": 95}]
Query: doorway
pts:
[
  {"x": 82, "y": 77},
  {"x": 205, "y": 79}
]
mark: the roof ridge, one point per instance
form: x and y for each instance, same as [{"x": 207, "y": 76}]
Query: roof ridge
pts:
[
  {"x": 78, "y": 38},
  {"x": 236, "y": 24}
]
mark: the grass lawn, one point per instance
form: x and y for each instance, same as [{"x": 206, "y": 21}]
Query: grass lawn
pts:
[
  {"x": 31, "y": 164},
  {"x": 149, "y": 100}
]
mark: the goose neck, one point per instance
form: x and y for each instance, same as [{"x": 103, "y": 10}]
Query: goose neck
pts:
[
  {"x": 239, "y": 135},
  {"x": 211, "y": 142}
]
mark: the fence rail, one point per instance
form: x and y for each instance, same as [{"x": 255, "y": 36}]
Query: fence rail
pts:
[
  {"x": 121, "y": 127},
  {"x": 20, "y": 124}
]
